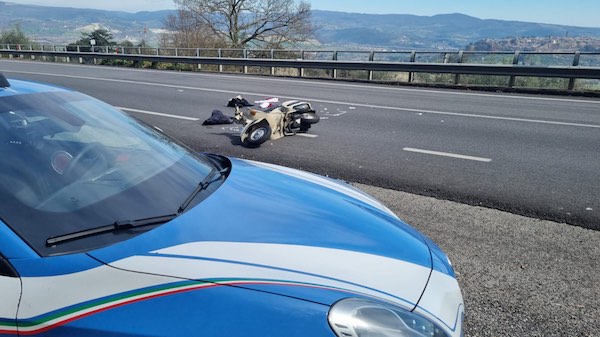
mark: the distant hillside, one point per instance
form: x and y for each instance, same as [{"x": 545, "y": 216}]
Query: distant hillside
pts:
[
  {"x": 402, "y": 31},
  {"x": 341, "y": 30},
  {"x": 64, "y": 25}
]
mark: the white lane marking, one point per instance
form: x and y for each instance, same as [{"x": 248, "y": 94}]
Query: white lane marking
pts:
[
  {"x": 514, "y": 119},
  {"x": 160, "y": 114},
  {"x": 337, "y": 114},
  {"x": 323, "y": 101},
  {"x": 447, "y": 154},
  {"x": 332, "y": 84},
  {"x": 458, "y": 114},
  {"x": 307, "y": 135}
]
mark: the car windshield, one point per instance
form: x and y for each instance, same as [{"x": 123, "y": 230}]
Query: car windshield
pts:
[{"x": 71, "y": 163}]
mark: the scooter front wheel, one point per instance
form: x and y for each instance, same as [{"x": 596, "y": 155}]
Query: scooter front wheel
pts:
[{"x": 257, "y": 134}]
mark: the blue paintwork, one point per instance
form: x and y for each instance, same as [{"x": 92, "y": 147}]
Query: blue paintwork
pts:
[
  {"x": 13, "y": 246},
  {"x": 221, "y": 311},
  {"x": 54, "y": 265},
  {"x": 258, "y": 205},
  {"x": 441, "y": 262},
  {"x": 18, "y": 87}
]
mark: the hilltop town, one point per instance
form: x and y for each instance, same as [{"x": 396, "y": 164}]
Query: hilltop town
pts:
[{"x": 538, "y": 44}]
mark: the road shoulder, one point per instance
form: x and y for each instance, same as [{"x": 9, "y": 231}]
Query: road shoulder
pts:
[{"x": 519, "y": 276}]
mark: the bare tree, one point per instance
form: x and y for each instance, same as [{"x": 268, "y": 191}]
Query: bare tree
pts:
[
  {"x": 243, "y": 23},
  {"x": 185, "y": 32}
]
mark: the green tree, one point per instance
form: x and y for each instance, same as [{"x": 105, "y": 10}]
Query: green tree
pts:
[
  {"x": 102, "y": 37},
  {"x": 15, "y": 36},
  {"x": 243, "y": 23}
]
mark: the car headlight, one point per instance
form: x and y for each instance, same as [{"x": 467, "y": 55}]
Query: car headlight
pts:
[{"x": 355, "y": 317}]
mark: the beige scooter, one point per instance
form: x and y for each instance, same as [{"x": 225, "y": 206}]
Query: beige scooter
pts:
[{"x": 285, "y": 120}]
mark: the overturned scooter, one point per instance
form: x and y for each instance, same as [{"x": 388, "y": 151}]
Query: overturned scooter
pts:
[{"x": 285, "y": 120}]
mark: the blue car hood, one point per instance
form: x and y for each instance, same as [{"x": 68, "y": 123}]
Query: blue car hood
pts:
[{"x": 289, "y": 232}]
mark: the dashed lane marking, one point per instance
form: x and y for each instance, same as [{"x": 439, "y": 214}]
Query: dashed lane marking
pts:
[{"x": 447, "y": 154}]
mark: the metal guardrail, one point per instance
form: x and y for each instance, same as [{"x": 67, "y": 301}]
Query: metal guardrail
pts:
[{"x": 567, "y": 65}]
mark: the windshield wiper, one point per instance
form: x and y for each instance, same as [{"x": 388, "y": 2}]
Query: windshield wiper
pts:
[
  {"x": 115, "y": 226},
  {"x": 209, "y": 179},
  {"x": 214, "y": 176}
]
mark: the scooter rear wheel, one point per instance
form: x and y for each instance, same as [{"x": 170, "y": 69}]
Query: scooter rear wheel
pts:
[{"x": 258, "y": 134}]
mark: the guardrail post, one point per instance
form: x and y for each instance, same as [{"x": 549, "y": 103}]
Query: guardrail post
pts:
[
  {"x": 79, "y": 51},
  {"x": 371, "y": 58},
  {"x": 198, "y": 56},
  {"x": 245, "y": 54},
  {"x": 461, "y": 54},
  {"x": 334, "y": 58},
  {"x": 68, "y": 57},
  {"x": 413, "y": 58},
  {"x": 220, "y": 55},
  {"x": 576, "y": 58},
  {"x": 176, "y": 52},
  {"x": 272, "y": 58},
  {"x": 301, "y": 70},
  {"x": 93, "y": 52},
  {"x": 511, "y": 82}
]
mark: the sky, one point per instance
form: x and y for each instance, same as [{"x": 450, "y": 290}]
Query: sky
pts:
[{"x": 582, "y": 13}]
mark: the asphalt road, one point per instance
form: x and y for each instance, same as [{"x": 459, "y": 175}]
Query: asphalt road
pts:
[
  {"x": 530, "y": 155},
  {"x": 520, "y": 276}
]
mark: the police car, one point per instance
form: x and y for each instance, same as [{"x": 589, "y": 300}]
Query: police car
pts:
[{"x": 111, "y": 228}]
